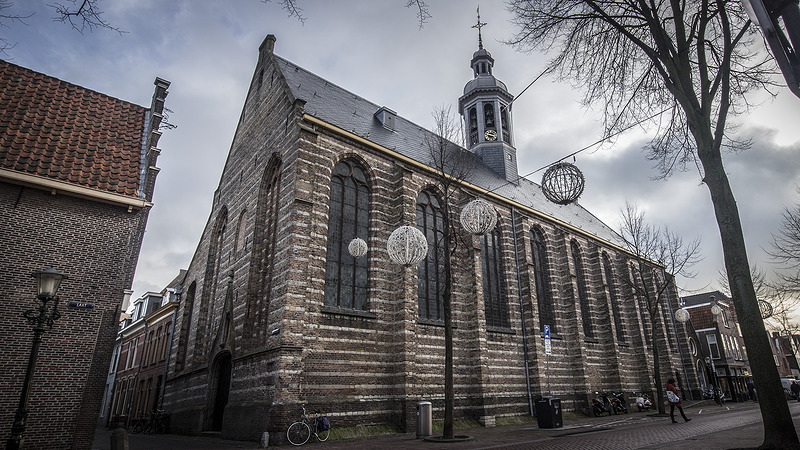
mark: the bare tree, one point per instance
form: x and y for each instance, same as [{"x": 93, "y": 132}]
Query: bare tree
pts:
[
  {"x": 660, "y": 255},
  {"x": 696, "y": 61},
  {"x": 451, "y": 165},
  {"x": 82, "y": 15},
  {"x": 786, "y": 249}
]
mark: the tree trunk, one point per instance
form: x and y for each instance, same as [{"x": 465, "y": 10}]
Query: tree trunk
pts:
[
  {"x": 779, "y": 431},
  {"x": 447, "y": 432},
  {"x": 656, "y": 338}
]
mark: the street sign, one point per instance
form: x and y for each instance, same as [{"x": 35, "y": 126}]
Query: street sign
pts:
[
  {"x": 547, "y": 340},
  {"x": 81, "y": 305}
]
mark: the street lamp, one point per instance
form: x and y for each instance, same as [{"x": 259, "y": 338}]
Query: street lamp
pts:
[{"x": 41, "y": 319}]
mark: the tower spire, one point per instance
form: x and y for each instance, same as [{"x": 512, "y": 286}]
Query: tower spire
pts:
[{"x": 479, "y": 25}]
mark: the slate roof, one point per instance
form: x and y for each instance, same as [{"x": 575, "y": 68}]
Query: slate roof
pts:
[
  {"x": 57, "y": 130},
  {"x": 355, "y": 114}
]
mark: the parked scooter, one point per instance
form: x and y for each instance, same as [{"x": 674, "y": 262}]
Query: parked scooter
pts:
[
  {"x": 601, "y": 404},
  {"x": 619, "y": 403},
  {"x": 643, "y": 403}
]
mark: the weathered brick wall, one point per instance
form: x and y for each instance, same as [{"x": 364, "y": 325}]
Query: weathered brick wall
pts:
[
  {"x": 96, "y": 246},
  {"x": 373, "y": 366}
]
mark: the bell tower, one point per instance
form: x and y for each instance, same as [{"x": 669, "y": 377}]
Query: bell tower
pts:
[{"x": 486, "y": 109}]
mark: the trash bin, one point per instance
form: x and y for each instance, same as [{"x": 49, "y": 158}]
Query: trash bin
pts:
[
  {"x": 424, "y": 419},
  {"x": 548, "y": 412}
]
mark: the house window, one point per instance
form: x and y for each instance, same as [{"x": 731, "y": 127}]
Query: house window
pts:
[
  {"x": 431, "y": 277},
  {"x": 713, "y": 348},
  {"x": 692, "y": 346},
  {"x": 612, "y": 293},
  {"x": 725, "y": 318},
  {"x": 494, "y": 283},
  {"x": 541, "y": 275},
  {"x": 583, "y": 296},
  {"x": 346, "y": 276}
]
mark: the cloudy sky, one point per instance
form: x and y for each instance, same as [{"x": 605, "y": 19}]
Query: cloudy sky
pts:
[{"x": 207, "y": 49}]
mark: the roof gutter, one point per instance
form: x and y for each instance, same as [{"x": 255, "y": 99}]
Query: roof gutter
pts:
[
  {"x": 486, "y": 192},
  {"x": 56, "y": 186}
]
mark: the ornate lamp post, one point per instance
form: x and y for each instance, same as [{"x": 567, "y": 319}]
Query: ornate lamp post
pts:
[{"x": 41, "y": 319}]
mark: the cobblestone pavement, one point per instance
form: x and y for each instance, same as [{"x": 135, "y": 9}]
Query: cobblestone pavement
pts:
[{"x": 735, "y": 425}]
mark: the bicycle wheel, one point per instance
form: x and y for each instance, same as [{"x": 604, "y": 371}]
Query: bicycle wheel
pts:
[
  {"x": 323, "y": 434},
  {"x": 298, "y": 433}
]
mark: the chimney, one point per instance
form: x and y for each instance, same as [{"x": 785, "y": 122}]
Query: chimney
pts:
[{"x": 266, "y": 47}]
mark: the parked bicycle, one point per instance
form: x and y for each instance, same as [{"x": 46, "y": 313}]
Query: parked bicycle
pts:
[
  {"x": 158, "y": 423},
  {"x": 300, "y": 432}
]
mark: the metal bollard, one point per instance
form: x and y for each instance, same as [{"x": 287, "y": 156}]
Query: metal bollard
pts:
[{"x": 424, "y": 419}]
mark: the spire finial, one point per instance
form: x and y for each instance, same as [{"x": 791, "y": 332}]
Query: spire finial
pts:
[{"x": 479, "y": 25}]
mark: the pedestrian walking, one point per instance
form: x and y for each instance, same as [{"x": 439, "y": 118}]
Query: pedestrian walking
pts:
[
  {"x": 796, "y": 390},
  {"x": 751, "y": 389},
  {"x": 674, "y": 400}
]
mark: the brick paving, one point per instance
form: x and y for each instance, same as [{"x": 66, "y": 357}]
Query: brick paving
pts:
[{"x": 736, "y": 425}]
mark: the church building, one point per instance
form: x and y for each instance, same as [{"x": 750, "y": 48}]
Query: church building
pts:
[{"x": 276, "y": 313}]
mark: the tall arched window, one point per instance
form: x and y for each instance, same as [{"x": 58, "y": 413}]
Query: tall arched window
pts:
[
  {"x": 348, "y": 218},
  {"x": 205, "y": 321},
  {"x": 262, "y": 257},
  {"x": 666, "y": 316},
  {"x": 494, "y": 282},
  {"x": 541, "y": 275},
  {"x": 488, "y": 115},
  {"x": 612, "y": 293},
  {"x": 473, "y": 125},
  {"x": 186, "y": 325},
  {"x": 430, "y": 282},
  {"x": 583, "y": 295},
  {"x": 240, "y": 236},
  {"x": 644, "y": 313}
]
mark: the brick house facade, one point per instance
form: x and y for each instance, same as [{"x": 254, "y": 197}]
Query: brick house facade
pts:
[
  {"x": 718, "y": 337},
  {"x": 275, "y": 313},
  {"x": 77, "y": 172},
  {"x": 143, "y": 346}
]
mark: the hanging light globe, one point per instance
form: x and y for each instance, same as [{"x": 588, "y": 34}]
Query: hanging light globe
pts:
[
  {"x": 563, "y": 183},
  {"x": 357, "y": 248},
  {"x": 682, "y": 315},
  {"x": 478, "y": 217},
  {"x": 715, "y": 309},
  {"x": 766, "y": 309},
  {"x": 407, "y": 246}
]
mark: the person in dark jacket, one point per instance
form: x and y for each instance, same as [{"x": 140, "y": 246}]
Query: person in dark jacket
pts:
[
  {"x": 796, "y": 390},
  {"x": 674, "y": 400}
]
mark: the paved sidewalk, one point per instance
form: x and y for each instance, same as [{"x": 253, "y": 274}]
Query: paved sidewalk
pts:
[{"x": 589, "y": 432}]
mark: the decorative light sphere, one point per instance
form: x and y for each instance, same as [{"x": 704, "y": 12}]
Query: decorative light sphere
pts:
[
  {"x": 766, "y": 309},
  {"x": 478, "y": 217},
  {"x": 357, "y": 248},
  {"x": 407, "y": 246},
  {"x": 715, "y": 309},
  {"x": 563, "y": 183},
  {"x": 682, "y": 315}
]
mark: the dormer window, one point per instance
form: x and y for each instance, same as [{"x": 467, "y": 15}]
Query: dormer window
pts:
[{"x": 386, "y": 117}]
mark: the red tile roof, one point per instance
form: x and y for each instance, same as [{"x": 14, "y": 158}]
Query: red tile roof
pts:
[{"x": 65, "y": 132}]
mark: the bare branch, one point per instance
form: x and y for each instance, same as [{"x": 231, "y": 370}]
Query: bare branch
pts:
[
  {"x": 290, "y": 6},
  {"x": 423, "y": 13},
  {"x": 82, "y": 15}
]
